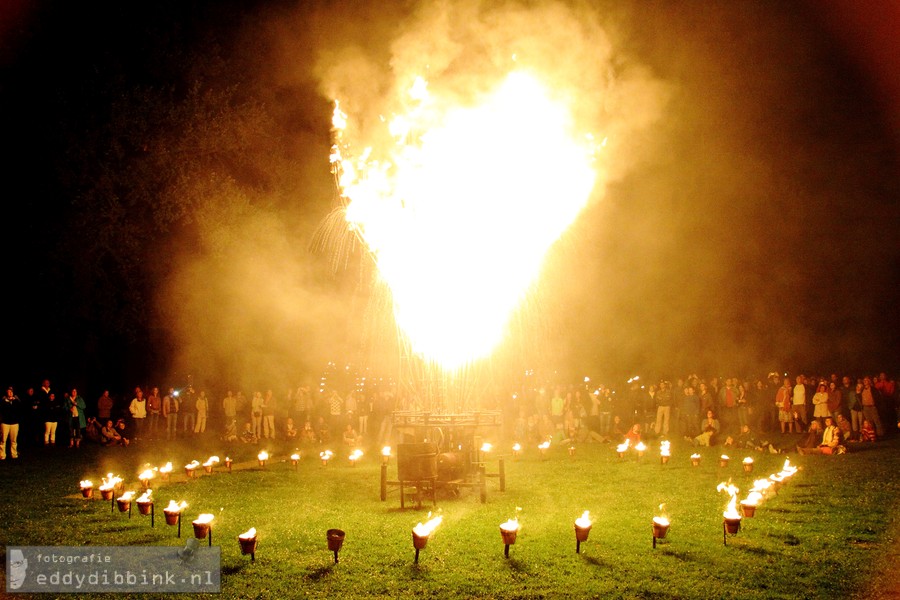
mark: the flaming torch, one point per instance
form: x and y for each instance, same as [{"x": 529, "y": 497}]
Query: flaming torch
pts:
[
  {"x": 640, "y": 447},
  {"x": 660, "y": 525},
  {"x": 203, "y": 527},
  {"x": 732, "y": 518},
  {"x": 145, "y": 506},
  {"x": 665, "y": 451},
  {"x": 247, "y": 541},
  {"x": 165, "y": 471},
  {"x": 695, "y": 459},
  {"x": 108, "y": 487},
  {"x": 124, "y": 502},
  {"x": 583, "y": 526},
  {"x": 543, "y": 447},
  {"x": 509, "y": 531},
  {"x": 623, "y": 448},
  {"x": 517, "y": 450},
  {"x": 295, "y": 460},
  {"x": 749, "y": 504},
  {"x": 145, "y": 478},
  {"x": 385, "y": 455},
  {"x": 723, "y": 460},
  {"x": 210, "y": 463},
  {"x": 262, "y": 457},
  {"x": 325, "y": 455},
  {"x": 191, "y": 467},
  {"x": 748, "y": 465},
  {"x": 228, "y": 462},
  {"x": 87, "y": 488},
  {"x": 422, "y": 533},
  {"x": 355, "y": 456},
  {"x": 173, "y": 514}
]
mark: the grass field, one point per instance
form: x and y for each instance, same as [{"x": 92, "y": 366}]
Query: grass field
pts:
[{"x": 825, "y": 534}]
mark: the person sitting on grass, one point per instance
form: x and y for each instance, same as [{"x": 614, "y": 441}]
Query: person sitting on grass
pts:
[
  {"x": 290, "y": 430},
  {"x": 709, "y": 430},
  {"x": 867, "y": 432},
  {"x": 846, "y": 429},
  {"x": 308, "y": 434},
  {"x": 634, "y": 435},
  {"x": 831, "y": 440},
  {"x": 231, "y": 433},
  {"x": 247, "y": 435},
  {"x": 813, "y": 437},
  {"x": 110, "y": 436},
  {"x": 351, "y": 438}
]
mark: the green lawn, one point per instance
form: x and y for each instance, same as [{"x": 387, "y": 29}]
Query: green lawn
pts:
[{"x": 823, "y": 536}]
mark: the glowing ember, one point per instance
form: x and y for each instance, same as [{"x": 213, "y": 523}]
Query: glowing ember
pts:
[
  {"x": 724, "y": 457},
  {"x": 145, "y": 497},
  {"x": 695, "y": 456},
  {"x": 263, "y": 455},
  {"x": 426, "y": 529},
  {"x": 175, "y": 507},
  {"x": 386, "y": 451},
  {"x": 295, "y": 456},
  {"x": 249, "y": 534},
  {"x": 584, "y": 521},
  {"x": 86, "y": 483},
  {"x": 487, "y": 447},
  {"x": 748, "y": 461},
  {"x": 661, "y": 521},
  {"x": 454, "y": 172},
  {"x": 517, "y": 448},
  {"x": 204, "y": 519}
]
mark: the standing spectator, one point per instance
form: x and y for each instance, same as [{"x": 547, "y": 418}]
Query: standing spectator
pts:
[
  {"x": 229, "y": 408},
  {"x": 256, "y": 414},
  {"x": 52, "y": 410},
  {"x": 350, "y": 407},
  {"x": 820, "y": 404},
  {"x": 189, "y": 410},
  {"x": 10, "y": 415},
  {"x": 202, "y": 406},
  {"x": 75, "y": 418},
  {"x": 138, "y": 410},
  {"x": 799, "y": 403},
  {"x": 154, "y": 408},
  {"x": 170, "y": 409},
  {"x": 854, "y": 403},
  {"x": 690, "y": 413},
  {"x": 785, "y": 407},
  {"x": 743, "y": 405},
  {"x": 335, "y": 413},
  {"x": 32, "y": 422},
  {"x": 268, "y": 415},
  {"x": 301, "y": 404},
  {"x": 728, "y": 402},
  {"x": 104, "y": 407},
  {"x": 835, "y": 401},
  {"x": 870, "y": 409},
  {"x": 663, "y": 408},
  {"x": 707, "y": 400},
  {"x": 363, "y": 411}
]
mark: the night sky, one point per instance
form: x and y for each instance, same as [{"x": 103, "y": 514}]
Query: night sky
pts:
[{"x": 166, "y": 169}]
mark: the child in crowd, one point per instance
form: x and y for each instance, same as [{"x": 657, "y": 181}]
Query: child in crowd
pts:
[
  {"x": 230, "y": 434},
  {"x": 867, "y": 432},
  {"x": 247, "y": 435}
]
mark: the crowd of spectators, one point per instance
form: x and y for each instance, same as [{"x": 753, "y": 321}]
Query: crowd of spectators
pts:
[{"x": 828, "y": 412}]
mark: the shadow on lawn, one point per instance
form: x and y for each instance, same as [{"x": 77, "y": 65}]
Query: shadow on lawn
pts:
[{"x": 320, "y": 573}]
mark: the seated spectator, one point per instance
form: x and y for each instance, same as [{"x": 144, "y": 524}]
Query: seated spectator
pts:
[
  {"x": 110, "y": 436},
  {"x": 813, "y": 438},
  {"x": 616, "y": 432},
  {"x": 867, "y": 432},
  {"x": 92, "y": 431},
  {"x": 746, "y": 439},
  {"x": 634, "y": 434},
  {"x": 308, "y": 434},
  {"x": 831, "y": 440},
  {"x": 351, "y": 438},
  {"x": 290, "y": 431},
  {"x": 231, "y": 434},
  {"x": 247, "y": 435},
  {"x": 846, "y": 429},
  {"x": 709, "y": 429}
]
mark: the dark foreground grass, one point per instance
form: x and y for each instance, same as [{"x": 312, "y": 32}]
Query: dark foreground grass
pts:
[{"x": 823, "y": 536}]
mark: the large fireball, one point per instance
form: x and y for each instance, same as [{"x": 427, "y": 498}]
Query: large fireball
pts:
[{"x": 460, "y": 207}]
